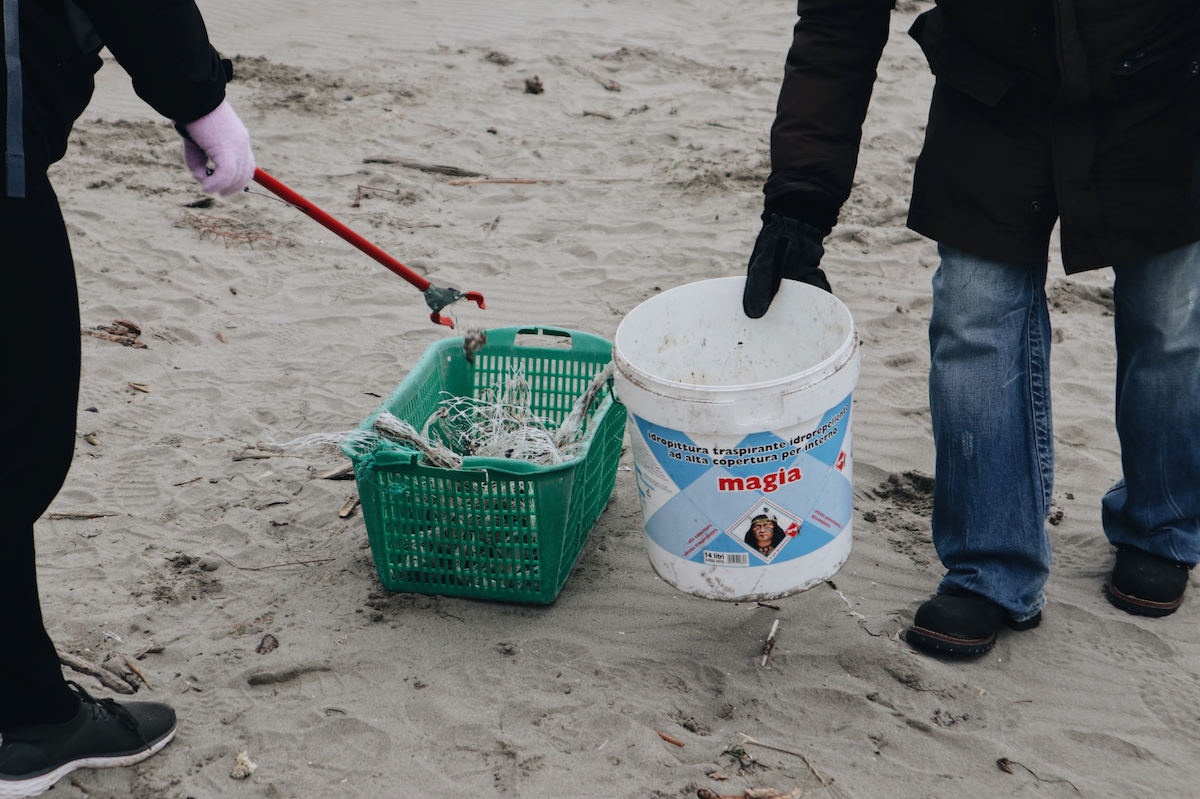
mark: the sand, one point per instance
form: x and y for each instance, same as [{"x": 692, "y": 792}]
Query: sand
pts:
[{"x": 261, "y": 327}]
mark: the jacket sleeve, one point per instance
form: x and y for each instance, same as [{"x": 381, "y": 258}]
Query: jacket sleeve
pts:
[
  {"x": 827, "y": 84},
  {"x": 164, "y": 47}
]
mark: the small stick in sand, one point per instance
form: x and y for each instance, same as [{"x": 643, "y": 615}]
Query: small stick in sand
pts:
[
  {"x": 600, "y": 114},
  {"x": 767, "y": 605},
  {"x": 187, "y": 482},
  {"x": 770, "y": 644},
  {"x": 348, "y": 506},
  {"x": 141, "y": 675},
  {"x": 107, "y": 678},
  {"x": 669, "y": 739},
  {"x": 246, "y": 455},
  {"x": 275, "y": 566},
  {"x": 746, "y": 739},
  {"x": 142, "y": 387},
  {"x": 123, "y": 327},
  {"x": 340, "y": 473},
  {"x": 437, "y": 169},
  {"x": 79, "y": 516},
  {"x": 610, "y": 85},
  {"x": 474, "y": 181}
]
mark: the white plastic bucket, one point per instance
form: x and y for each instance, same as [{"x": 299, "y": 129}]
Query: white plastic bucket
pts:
[{"x": 741, "y": 428}]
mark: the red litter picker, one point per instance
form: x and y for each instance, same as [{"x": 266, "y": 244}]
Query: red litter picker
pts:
[{"x": 436, "y": 298}]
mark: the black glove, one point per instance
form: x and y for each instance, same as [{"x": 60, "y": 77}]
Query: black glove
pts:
[{"x": 788, "y": 248}]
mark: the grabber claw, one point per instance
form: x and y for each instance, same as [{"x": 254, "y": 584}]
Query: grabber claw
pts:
[{"x": 438, "y": 298}]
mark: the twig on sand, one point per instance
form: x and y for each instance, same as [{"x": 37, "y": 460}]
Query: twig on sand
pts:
[
  {"x": 1006, "y": 766},
  {"x": 247, "y": 455},
  {"x": 746, "y": 739},
  {"x": 59, "y": 516},
  {"x": 770, "y": 644},
  {"x": 348, "y": 506},
  {"x": 669, "y": 739},
  {"x": 345, "y": 472},
  {"x": 437, "y": 169},
  {"x": 275, "y": 566},
  {"x": 141, "y": 675},
  {"x": 473, "y": 181},
  {"x": 106, "y": 678},
  {"x": 610, "y": 85},
  {"x": 121, "y": 327}
]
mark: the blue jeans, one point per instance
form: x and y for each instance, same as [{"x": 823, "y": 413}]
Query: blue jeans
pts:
[{"x": 989, "y": 393}]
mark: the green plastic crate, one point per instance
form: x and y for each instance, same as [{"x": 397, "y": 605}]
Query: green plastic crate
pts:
[{"x": 496, "y": 529}]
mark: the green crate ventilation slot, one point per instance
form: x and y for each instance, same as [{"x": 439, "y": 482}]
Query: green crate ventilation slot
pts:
[{"x": 466, "y": 535}]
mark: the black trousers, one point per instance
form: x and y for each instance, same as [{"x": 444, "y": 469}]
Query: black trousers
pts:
[{"x": 40, "y": 368}]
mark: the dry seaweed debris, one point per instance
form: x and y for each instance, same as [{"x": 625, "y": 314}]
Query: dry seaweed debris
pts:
[
  {"x": 121, "y": 331},
  {"x": 232, "y": 232}
]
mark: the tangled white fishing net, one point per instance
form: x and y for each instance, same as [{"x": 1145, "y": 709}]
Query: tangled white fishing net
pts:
[{"x": 499, "y": 423}]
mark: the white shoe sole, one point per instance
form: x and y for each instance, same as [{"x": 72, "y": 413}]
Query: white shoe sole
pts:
[{"x": 35, "y": 786}]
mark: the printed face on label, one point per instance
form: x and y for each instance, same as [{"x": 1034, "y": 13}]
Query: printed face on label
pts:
[{"x": 764, "y": 535}]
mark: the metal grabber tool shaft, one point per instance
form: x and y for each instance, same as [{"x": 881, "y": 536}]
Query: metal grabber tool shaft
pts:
[{"x": 436, "y": 298}]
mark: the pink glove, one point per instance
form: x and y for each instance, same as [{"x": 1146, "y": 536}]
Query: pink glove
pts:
[{"x": 219, "y": 137}]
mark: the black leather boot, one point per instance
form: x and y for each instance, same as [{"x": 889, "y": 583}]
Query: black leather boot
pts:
[
  {"x": 961, "y": 623},
  {"x": 1145, "y": 584}
]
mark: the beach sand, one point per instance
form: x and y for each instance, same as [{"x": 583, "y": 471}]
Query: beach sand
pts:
[{"x": 262, "y": 327}]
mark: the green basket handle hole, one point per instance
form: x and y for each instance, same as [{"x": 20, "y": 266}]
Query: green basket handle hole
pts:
[{"x": 543, "y": 337}]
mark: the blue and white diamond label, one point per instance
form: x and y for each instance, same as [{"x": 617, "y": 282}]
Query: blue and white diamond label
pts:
[{"x": 746, "y": 503}]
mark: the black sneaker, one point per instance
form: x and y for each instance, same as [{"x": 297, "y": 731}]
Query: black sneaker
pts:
[
  {"x": 103, "y": 734},
  {"x": 1146, "y": 584},
  {"x": 962, "y": 623}
]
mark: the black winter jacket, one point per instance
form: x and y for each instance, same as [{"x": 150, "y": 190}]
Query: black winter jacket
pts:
[
  {"x": 1084, "y": 110},
  {"x": 162, "y": 44}
]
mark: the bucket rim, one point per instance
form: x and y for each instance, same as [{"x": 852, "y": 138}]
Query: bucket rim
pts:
[{"x": 834, "y": 363}]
